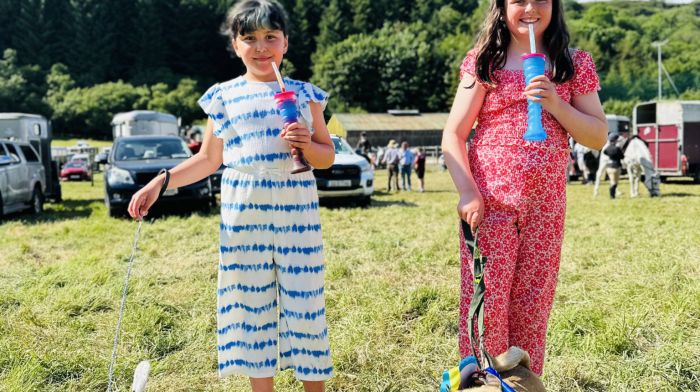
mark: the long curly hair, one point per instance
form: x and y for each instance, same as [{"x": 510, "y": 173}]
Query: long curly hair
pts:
[{"x": 491, "y": 46}]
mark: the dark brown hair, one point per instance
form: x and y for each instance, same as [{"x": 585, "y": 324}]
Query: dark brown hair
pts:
[
  {"x": 247, "y": 16},
  {"x": 491, "y": 46}
]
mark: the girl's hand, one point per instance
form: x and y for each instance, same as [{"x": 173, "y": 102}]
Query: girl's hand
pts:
[
  {"x": 542, "y": 90},
  {"x": 144, "y": 199},
  {"x": 471, "y": 209},
  {"x": 297, "y": 134}
]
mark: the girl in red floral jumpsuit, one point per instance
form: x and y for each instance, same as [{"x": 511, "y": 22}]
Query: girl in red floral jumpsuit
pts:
[{"x": 513, "y": 190}]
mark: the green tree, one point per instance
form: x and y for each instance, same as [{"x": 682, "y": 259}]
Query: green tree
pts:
[
  {"x": 26, "y": 38},
  {"x": 181, "y": 101},
  {"x": 88, "y": 111},
  {"x": 334, "y": 26},
  {"x": 21, "y": 89},
  {"x": 395, "y": 67},
  {"x": 58, "y": 33}
]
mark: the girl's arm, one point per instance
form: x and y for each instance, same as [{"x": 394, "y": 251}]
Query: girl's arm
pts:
[
  {"x": 465, "y": 109},
  {"x": 195, "y": 168},
  {"x": 318, "y": 148},
  {"x": 583, "y": 119}
]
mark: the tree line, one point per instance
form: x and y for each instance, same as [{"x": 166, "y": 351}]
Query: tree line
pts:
[{"x": 81, "y": 61}]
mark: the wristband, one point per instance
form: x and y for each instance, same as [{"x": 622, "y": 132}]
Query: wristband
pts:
[{"x": 164, "y": 187}]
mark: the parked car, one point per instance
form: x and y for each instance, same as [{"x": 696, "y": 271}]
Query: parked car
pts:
[
  {"x": 76, "y": 170},
  {"x": 136, "y": 160},
  {"x": 22, "y": 178},
  {"x": 350, "y": 176}
]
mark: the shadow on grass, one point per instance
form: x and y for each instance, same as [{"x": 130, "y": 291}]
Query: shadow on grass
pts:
[
  {"x": 53, "y": 212},
  {"x": 385, "y": 193},
  {"x": 679, "y": 181},
  {"x": 160, "y": 212},
  {"x": 349, "y": 203},
  {"x": 678, "y": 194}
]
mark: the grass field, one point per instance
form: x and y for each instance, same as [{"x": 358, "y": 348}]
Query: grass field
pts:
[{"x": 626, "y": 315}]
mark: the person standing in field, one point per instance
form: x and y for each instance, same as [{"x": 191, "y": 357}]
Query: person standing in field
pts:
[
  {"x": 514, "y": 191},
  {"x": 391, "y": 158},
  {"x": 419, "y": 165},
  {"x": 405, "y": 165},
  {"x": 270, "y": 304},
  {"x": 614, "y": 165}
]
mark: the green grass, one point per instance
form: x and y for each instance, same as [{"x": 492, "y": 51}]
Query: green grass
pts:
[{"x": 626, "y": 315}]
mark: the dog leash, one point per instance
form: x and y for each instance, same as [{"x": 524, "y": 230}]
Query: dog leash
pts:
[
  {"x": 476, "y": 308},
  {"x": 122, "y": 306}
]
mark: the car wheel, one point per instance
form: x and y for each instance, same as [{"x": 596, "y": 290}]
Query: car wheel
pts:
[
  {"x": 366, "y": 201},
  {"x": 113, "y": 212},
  {"x": 206, "y": 207},
  {"x": 37, "y": 201},
  {"x": 1, "y": 209}
]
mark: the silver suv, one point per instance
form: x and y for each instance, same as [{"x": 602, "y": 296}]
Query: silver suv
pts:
[{"x": 22, "y": 178}]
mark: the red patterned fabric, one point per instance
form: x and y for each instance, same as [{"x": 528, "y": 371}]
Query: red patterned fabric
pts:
[{"x": 524, "y": 189}]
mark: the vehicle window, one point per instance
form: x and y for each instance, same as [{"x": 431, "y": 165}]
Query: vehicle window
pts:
[
  {"x": 74, "y": 164},
  {"x": 623, "y": 126},
  {"x": 29, "y": 154},
  {"x": 342, "y": 147},
  {"x": 134, "y": 150},
  {"x": 4, "y": 157},
  {"x": 13, "y": 152}
]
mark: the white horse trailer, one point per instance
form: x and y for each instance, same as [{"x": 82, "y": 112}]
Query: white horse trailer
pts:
[
  {"x": 144, "y": 122},
  {"x": 618, "y": 124},
  {"x": 672, "y": 130}
]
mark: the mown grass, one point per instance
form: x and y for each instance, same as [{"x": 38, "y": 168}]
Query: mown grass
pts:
[{"x": 626, "y": 315}]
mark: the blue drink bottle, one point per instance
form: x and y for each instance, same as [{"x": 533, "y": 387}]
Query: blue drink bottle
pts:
[
  {"x": 286, "y": 102},
  {"x": 533, "y": 65}
]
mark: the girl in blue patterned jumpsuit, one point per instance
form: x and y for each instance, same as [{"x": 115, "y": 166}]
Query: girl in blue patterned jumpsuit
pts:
[{"x": 270, "y": 303}]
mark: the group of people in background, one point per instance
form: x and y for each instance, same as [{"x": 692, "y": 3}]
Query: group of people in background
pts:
[{"x": 402, "y": 161}]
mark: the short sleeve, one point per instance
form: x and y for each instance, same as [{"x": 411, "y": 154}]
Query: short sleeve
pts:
[
  {"x": 468, "y": 65},
  {"x": 585, "y": 79},
  {"x": 310, "y": 93},
  {"x": 212, "y": 102}
]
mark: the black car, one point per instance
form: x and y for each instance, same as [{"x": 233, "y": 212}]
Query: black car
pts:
[{"x": 136, "y": 160}]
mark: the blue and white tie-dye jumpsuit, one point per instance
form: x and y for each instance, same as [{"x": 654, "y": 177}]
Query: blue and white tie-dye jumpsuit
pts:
[{"x": 270, "y": 303}]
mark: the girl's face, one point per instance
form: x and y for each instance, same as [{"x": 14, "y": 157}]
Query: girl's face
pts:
[
  {"x": 258, "y": 49},
  {"x": 520, "y": 13}
]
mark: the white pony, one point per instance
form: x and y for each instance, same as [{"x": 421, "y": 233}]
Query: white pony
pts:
[{"x": 637, "y": 161}]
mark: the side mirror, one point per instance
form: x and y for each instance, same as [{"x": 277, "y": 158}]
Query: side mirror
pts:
[{"x": 5, "y": 160}]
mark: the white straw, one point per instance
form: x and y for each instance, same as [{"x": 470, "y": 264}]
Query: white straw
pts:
[
  {"x": 279, "y": 76},
  {"x": 531, "y": 28}
]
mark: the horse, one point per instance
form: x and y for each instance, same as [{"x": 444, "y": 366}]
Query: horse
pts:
[{"x": 637, "y": 161}]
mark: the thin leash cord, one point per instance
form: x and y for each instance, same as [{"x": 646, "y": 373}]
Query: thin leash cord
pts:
[{"x": 122, "y": 306}]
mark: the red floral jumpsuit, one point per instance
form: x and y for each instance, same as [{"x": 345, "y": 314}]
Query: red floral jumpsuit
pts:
[{"x": 523, "y": 185}]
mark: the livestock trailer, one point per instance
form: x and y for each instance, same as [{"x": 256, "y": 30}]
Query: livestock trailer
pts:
[
  {"x": 672, "y": 131},
  {"x": 144, "y": 122}
]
